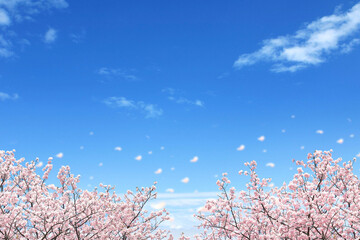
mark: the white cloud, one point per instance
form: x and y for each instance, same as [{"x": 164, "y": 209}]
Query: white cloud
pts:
[
  {"x": 50, "y": 36},
  {"x": 340, "y": 141},
  {"x": 60, "y": 155},
  {"x": 162, "y": 148},
  {"x": 183, "y": 100},
  {"x": 91, "y": 133},
  {"x": 319, "y": 131},
  {"x": 150, "y": 110},
  {"x": 24, "y": 9},
  {"x": 185, "y": 180},
  {"x": 173, "y": 96},
  {"x": 158, "y": 171},
  {"x": 138, "y": 158},
  {"x": 194, "y": 159},
  {"x": 158, "y": 206},
  {"x": 302, "y": 147},
  {"x": 261, "y": 138},
  {"x": 352, "y": 135},
  {"x": 16, "y": 11},
  {"x": 101, "y": 164},
  {"x": 6, "y": 96},
  {"x": 270, "y": 164},
  {"x": 4, "y": 18},
  {"x": 118, "y": 149},
  {"x": 241, "y": 147},
  {"x": 117, "y": 73},
  {"x": 188, "y": 195},
  {"x": 311, "y": 45},
  {"x": 77, "y": 37},
  {"x": 149, "y": 152}
]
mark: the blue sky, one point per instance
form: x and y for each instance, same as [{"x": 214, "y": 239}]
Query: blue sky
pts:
[{"x": 171, "y": 81}]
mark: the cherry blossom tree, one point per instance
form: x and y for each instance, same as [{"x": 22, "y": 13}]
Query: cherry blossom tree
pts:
[
  {"x": 32, "y": 209},
  {"x": 322, "y": 201}
]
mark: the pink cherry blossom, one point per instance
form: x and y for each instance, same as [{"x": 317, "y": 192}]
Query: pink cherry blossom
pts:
[
  {"x": 322, "y": 201},
  {"x": 32, "y": 209}
]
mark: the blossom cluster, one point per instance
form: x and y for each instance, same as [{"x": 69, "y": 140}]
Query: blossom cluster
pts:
[
  {"x": 322, "y": 201},
  {"x": 32, "y": 209}
]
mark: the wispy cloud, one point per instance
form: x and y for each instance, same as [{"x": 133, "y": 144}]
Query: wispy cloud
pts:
[
  {"x": 117, "y": 73},
  {"x": 17, "y": 11},
  {"x": 24, "y": 9},
  {"x": 4, "y": 18},
  {"x": 173, "y": 95},
  {"x": 150, "y": 110},
  {"x": 50, "y": 35},
  {"x": 182, "y": 206},
  {"x": 78, "y": 37},
  {"x": 6, "y": 96},
  {"x": 311, "y": 45}
]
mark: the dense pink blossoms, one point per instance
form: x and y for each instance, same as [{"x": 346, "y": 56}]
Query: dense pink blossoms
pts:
[
  {"x": 32, "y": 209},
  {"x": 322, "y": 203}
]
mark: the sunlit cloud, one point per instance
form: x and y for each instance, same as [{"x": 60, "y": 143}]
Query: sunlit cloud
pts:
[
  {"x": 60, "y": 155},
  {"x": 138, "y": 158},
  {"x": 158, "y": 171},
  {"x": 340, "y": 141},
  {"x": 118, "y": 149},
  {"x": 311, "y": 45}
]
